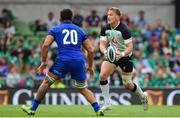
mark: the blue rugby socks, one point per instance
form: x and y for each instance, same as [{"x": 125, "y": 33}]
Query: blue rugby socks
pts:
[
  {"x": 95, "y": 106},
  {"x": 35, "y": 104}
]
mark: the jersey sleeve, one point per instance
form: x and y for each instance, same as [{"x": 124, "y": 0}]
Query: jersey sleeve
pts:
[
  {"x": 102, "y": 31},
  {"x": 126, "y": 34},
  {"x": 52, "y": 32},
  {"x": 103, "y": 34}
]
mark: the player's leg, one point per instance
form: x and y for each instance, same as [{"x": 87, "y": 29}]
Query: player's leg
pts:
[
  {"x": 127, "y": 67},
  {"x": 127, "y": 80},
  {"x": 49, "y": 79},
  {"x": 107, "y": 68},
  {"x": 53, "y": 75},
  {"x": 92, "y": 100},
  {"x": 79, "y": 77},
  {"x": 47, "y": 82}
]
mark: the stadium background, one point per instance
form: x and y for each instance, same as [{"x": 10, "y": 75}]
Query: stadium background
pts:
[{"x": 24, "y": 25}]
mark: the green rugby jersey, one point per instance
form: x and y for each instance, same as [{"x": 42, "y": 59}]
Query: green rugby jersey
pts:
[{"x": 118, "y": 36}]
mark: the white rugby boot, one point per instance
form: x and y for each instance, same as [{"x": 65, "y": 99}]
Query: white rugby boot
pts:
[{"x": 106, "y": 106}]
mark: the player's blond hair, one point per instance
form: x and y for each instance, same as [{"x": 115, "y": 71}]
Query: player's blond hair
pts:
[{"x": 116, "y": 10}]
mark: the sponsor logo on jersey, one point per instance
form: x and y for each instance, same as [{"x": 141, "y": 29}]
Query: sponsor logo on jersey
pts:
[{"x": 114, "y": 42}]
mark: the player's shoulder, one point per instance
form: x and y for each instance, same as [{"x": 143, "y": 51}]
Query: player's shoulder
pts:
[
  {"x": 74, "y": 26},
  {"x": 54, "y": 28},
  {"x": 122, "y": 26},
  {"x": 79, "y": 29}
]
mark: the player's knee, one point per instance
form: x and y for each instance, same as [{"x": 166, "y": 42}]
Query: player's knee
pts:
[
  {"x": 80, "y": 84},
  {"x": 129, "y": 86},
  {"x": 127, "y": 81},
  {"x": 47, "y": 82},
  {"x": 126, "y": 86},
  {"x": 81, "y": 90},
  {"x": 103, "y": 77}
]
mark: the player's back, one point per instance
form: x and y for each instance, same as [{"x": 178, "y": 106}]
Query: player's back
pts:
[{"x": 69, "y": 39}]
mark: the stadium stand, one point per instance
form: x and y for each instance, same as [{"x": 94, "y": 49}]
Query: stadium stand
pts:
[{"x": 156, "y": 52}]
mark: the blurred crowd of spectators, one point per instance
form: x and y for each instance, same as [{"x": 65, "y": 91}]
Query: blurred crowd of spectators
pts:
[{"x": 156, "y": 51}]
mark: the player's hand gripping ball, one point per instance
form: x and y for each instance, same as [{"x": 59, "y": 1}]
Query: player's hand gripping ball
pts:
[{"x": 111, "y": 54}]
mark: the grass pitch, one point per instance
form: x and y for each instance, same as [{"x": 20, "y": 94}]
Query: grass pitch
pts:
[{"x": 87, "y": 111}]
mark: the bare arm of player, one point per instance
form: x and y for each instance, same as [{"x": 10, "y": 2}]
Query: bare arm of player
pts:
[
  {"x": 103, "y": 45},
  {"x": 129, "y": 48},
  {"x": 48, "y": 41},
  {"x": 127, "y": 51},
  {"x": 88, "y": 46},
  {"x": 85, "y": 55},
  {"x": 84, "y": 51}
]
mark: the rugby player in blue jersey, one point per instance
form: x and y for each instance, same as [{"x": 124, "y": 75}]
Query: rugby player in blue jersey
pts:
[{"x": 70, "y": 59}]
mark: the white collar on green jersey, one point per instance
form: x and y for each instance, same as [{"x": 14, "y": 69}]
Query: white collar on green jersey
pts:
[{"x": 116, "y": 25}]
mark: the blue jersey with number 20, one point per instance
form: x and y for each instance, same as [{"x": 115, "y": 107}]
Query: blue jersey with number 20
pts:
[{"x": 69, "y": 39}]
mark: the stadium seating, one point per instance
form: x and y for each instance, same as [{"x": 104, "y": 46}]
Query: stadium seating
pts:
[{"x": 22, "y": 28}]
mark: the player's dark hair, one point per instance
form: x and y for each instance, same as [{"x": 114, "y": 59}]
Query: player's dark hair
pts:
[
  {"x": 66, "y": 14},
  {"x": 116, "y": 10}
]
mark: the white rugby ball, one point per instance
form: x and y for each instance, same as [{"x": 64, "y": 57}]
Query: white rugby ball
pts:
[{"x": 111, "y": 53}]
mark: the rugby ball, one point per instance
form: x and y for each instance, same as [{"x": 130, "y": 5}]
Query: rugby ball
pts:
[{"x": 111, "y": 53}]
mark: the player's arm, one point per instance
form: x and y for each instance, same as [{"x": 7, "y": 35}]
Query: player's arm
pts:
[
  {"x": 88, "y": 46},
  {"x": 126, "y": 34},
  {"x": 45, "y": 47},
  {"x": 84, "y": 51},
  {"x": 85, "y": 55},
  {"x": 103, "y": 42},
  {"x": 128, "y": 50},
  {"x": 47, "y": 43},
  {"x": 129, "y": 47}
]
